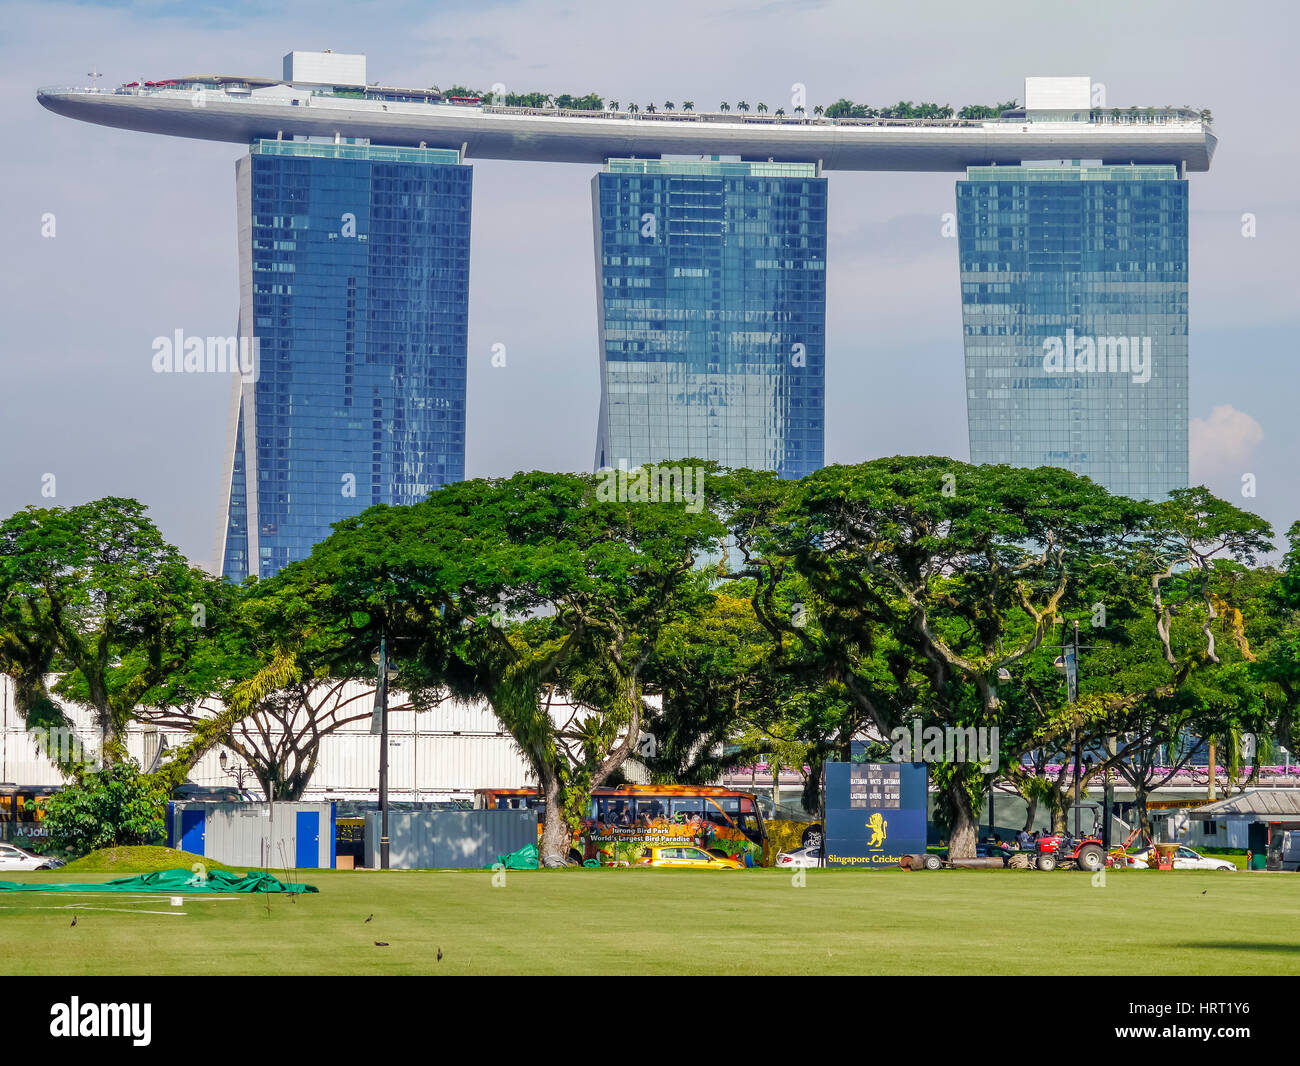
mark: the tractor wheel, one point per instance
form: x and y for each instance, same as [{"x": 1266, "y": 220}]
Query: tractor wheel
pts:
[
  {"x": 932, "y": 862},
  {"x": 1047, "y": 862},
  {"x": 1090, "y": 858}
]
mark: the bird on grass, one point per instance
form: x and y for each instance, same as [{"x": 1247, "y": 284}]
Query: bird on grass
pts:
[
  {"x": 381, "y": 943},
  {"x": 440, "y": 954},
  {"x": 74, "y": 920},
  {"x": 368, "y": 919}
]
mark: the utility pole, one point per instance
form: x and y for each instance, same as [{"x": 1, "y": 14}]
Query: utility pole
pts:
[
  {"x": 1069, "y": 663},
  {"x": 380, "y": 720},
  {"x": 1072, "y": 682},
  {"x": 1108, "y": 799}
]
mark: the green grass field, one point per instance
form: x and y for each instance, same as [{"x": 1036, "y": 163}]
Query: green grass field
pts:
[{"x": 664, "y": 921}]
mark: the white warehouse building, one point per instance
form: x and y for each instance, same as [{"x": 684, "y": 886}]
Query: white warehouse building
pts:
[{"x": 443, "y": 753}]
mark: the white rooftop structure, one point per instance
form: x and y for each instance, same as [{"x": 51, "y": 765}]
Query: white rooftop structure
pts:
[
  {"x": 325, "y": 68},
  {"x": 1058, "y": 94}
]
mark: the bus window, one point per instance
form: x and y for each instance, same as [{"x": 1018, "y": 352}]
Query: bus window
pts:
[
  {"x": 652, "y": 807},
  {"x": 616, "y": 810},
  {"x": 722, "y": 811},
  {"x": 686, "y": 808}
]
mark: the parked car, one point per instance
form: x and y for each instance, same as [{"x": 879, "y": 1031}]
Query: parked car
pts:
[
  {"x": 809, "y": 856},
  {"x": 1184, "y": 859},
  {"x": 13, "y": 857},
  {"x": 687, "y": 858}
]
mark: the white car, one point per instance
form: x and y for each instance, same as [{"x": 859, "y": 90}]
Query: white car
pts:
[
  {"x": 1184, "y": 859},
  {"x": 809, "y": 856},
  {"x": 13, "y": 857}
]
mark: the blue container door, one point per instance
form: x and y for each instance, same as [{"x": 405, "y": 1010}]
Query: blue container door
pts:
[
  {"x": 192, "y": 832},
  {"x": 308, "y": 848}
]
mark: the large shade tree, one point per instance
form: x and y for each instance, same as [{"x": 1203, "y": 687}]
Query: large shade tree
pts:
[
  {"x": 94, "y": 590},
  {"x": 509, "y": 589},
  {"x": 930, "y": 577}
]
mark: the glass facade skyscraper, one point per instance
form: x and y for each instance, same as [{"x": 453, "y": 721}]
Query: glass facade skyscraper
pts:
[
  {"x": 1074, "y": 313},
  {"x": 354, "y": 282},
  {"x": 711, "y": 303}
]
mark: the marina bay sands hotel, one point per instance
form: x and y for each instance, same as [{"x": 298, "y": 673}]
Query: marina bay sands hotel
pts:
[{"x": 710, "y": 249}]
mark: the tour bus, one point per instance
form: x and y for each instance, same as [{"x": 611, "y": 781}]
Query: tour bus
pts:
[{"x": 623, "y": 822}]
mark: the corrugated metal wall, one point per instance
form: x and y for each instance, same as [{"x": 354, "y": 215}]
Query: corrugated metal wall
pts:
[
  {"x": 245, "y": 834},
  {"x": 449, "y": 839}
]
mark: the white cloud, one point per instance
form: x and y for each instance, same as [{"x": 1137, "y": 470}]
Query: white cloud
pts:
[{"x": 1223, "y": 442}]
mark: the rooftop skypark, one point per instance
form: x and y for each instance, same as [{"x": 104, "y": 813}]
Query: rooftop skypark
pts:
[{"x": 328, "y": 96}]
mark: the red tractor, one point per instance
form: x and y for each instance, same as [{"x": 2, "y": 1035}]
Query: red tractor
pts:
[{"x": 1071, "y": 853}]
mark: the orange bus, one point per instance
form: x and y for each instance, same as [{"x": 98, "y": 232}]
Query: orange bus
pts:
[{"x": 623, "y": 821}]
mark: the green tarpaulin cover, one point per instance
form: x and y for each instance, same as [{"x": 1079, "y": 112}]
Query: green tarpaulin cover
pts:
[
  {"x": 523, "y": 859},
  {"x": 170, "y": 882}
]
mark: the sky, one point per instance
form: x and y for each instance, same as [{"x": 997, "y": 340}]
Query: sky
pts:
[{"x": 143, "y": 236}]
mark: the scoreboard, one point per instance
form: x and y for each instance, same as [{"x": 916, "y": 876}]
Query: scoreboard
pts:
[
  {"x": 875, "y": 786},
  {"x": 875, "y": 813}
]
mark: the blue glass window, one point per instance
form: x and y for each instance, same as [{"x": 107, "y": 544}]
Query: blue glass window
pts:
[
  {"x": 712, "y": 313},
  {"x": 355, "y": 268},
  {"x": 1090, "y": 261}
]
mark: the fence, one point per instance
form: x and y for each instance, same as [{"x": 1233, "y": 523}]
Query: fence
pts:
[{"x": 449, "y": 839}]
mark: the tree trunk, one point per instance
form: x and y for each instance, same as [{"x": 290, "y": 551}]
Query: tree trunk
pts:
[
  {"x": 1140, "y": 801},
  {"x": 1060, "y": 818},
  {"x": 109, "y": 738},
  {"x": 1031, "y": 809},
  {"x": 557, "y": 836},
  {"x": 964, "y": 830}
]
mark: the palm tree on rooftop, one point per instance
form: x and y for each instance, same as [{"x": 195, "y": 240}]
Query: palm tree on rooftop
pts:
[
  {"x": 688, "y": 105},
  {"x": 724, "y": 106},
  {"x": 819, "y": 110},
  {"x": 742, "y": 106},
  {"x": 762, "y": 108},
  {"x": 669, "y": 105}
]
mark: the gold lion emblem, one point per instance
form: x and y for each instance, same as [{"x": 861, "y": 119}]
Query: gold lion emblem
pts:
[{"x": 877, "y": 825}]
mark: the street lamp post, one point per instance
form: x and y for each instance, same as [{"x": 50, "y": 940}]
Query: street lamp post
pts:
[{"x": 239, "y": 773}]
